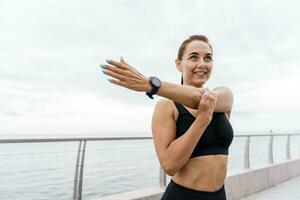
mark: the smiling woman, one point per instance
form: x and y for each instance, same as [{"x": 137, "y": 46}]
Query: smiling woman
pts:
[{"x": 190, "y": 126}]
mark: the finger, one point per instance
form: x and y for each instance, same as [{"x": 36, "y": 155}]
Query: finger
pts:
[
  {"x": 214, "y": 94},
  {"x": 114, "y": 75},
  {"x": 210, "y": 91},
  {"x": 204, "y": 97},
  {"x": 123, "y": 61},
  {"x": 117, "y": 64},
  {"x": 212, "y": 98},
  {"x": 120, "y": 65},
  {"x": 210, "y": 95},
  {"x": 205, "y": 93},
  {"x": 202, "y": 91},
  {"x": 116, "y": 82},
  {"x": 116, "y": 70}
]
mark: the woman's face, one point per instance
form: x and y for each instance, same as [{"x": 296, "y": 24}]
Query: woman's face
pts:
[{"x": 196, "y": 63}]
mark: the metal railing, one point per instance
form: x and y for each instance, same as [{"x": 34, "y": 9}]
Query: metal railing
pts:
[
  {"x": 78, "y": 178},
  {"x": 270, "y": 149}
]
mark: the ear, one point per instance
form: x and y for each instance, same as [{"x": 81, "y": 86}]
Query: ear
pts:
[{"x": 178, "y": 65}]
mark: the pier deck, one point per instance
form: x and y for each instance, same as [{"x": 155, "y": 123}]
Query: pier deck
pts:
[{"x": 288, "y": 190}]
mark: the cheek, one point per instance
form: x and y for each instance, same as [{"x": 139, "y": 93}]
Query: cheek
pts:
[
  {"x": 190, "y": 65},
  {"x": 187, "y": 67},
  {"x": 210, "y": 67}
]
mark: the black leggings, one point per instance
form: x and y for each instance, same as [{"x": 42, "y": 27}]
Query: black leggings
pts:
[{"x": 175, "y": 191}]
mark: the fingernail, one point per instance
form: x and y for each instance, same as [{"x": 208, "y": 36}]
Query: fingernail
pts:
[
  {"x": 110, "y": 80},
  {"x": 104, "y": 71},
  {"x": 102, "y": 66},
  {"x": 108, "y": 60}
]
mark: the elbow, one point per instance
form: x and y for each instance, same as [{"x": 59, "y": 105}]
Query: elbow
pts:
[{"x": 169, "y": 169}]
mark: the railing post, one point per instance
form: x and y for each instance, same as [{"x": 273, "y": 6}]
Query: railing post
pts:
[
  {"x": 81, "y": 172},
  {"x": 162, "y": 177},
  {"x": 288, "y": 149},
  {"x": 271, "y": 161},
  {"x": 247, "y": 153},
  {"x": 77, "y": 190},
  {"x": 76, "y": 172}
]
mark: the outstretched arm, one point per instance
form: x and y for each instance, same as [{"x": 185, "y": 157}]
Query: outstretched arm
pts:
[{"x": 126, "y": 76}]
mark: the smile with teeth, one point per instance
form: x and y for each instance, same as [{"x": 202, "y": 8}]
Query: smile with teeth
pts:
[{"x": 200, "y": 73}]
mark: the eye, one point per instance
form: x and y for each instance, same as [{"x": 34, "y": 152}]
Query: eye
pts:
[
  {"x": 193, "y": 57},
  {"x": 207, "y": 58}
]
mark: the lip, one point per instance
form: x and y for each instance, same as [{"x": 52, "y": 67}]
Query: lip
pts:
[{"x": 200, "y": 71}]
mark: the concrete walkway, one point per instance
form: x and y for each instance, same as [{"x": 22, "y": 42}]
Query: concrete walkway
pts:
[{"x": 289, "y": 190}]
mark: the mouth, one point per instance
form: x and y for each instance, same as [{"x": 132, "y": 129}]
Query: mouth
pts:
[{"x": 200, "y": 73}]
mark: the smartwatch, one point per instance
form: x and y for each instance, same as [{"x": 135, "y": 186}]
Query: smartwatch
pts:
[{"x": 155, "y": 84}]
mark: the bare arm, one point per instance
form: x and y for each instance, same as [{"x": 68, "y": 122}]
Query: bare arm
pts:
[
  {"x": 191, "y": 96},
  {"x": 174, "y": 153},
  {"x": 183, "y": 94},
  {"x": 128, "y": 77}
]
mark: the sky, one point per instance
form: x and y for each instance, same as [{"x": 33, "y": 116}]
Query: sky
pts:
[{"x": 50, "y": 52}]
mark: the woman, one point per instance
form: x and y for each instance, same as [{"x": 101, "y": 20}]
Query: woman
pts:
[{"x": 190, "y": 126}]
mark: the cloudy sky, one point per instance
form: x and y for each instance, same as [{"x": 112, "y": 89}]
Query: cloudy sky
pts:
[{"x": 50, "y": 51}]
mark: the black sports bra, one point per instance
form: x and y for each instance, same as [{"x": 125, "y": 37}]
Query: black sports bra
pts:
[{"x": 216, "y": 138}]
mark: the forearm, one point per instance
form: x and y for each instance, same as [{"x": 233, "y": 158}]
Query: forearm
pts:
[
  {"x": 191, "y": 96},
  {"x": 183, "y": 94},
  {"x": 128, "y": 77},
  {"x": 180, "y": 150}
]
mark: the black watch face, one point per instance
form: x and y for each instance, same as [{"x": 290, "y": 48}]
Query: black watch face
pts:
[{"x": 156, "y": 81}]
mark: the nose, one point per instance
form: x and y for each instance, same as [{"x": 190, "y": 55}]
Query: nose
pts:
[{"x": 201, "y": 64}]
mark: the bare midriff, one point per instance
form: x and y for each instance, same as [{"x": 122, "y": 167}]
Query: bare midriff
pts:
[{"x": 204, "y": 173}]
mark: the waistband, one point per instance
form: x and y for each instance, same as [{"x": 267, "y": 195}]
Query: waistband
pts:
[{"x": 220, "y": 190}]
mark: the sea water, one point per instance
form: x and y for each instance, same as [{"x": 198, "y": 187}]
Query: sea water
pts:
[{"x": 46, "y": 170}]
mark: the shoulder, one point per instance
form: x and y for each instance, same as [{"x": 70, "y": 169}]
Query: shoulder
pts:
[
  {"x": 224, "y": 99},
  {"x": 223, "y": 89},
  {"x": 165, "y": 106},
  {"x": 223, "y": 92},
  {"x": 163, "y": 101}
]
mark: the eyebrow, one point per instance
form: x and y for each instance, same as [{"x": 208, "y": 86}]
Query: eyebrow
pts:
[{"x": 195, "y": 53}]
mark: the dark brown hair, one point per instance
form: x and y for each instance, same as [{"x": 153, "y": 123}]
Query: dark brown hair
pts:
[{"x": 182, "y": 47}]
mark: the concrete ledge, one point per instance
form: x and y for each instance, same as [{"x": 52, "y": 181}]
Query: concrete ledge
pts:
[
  {"x": 245, "y": 182},
  {"x": 242, "y": 183},
  {"x": 293, "y": 169},
  {"x": 238, "y": 183},
  {"x": 278, "y": 173}
]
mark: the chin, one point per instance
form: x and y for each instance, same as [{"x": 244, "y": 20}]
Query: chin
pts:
[{"x": 199, "y": 84}]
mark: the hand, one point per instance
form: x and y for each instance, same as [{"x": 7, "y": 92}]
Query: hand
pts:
[
  {"x": 126, "y": 76},
  {"x": 207, "y": 103}
]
